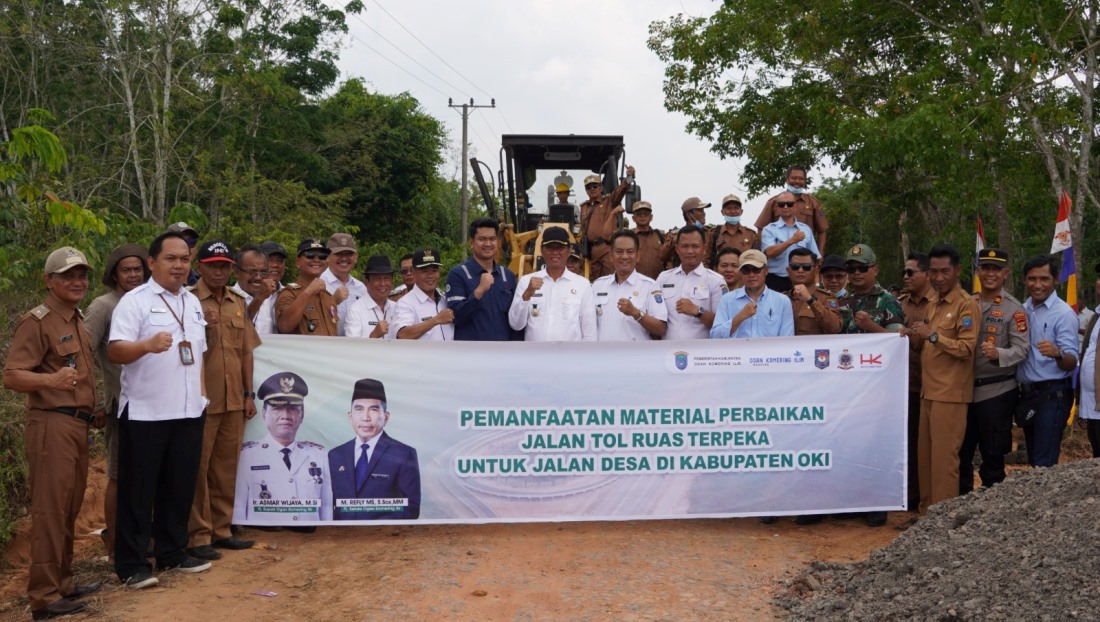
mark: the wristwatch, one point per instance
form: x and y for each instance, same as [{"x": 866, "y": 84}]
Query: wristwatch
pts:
[
  {"x": 1059, "y": 356},
  {"x": 251, "y": 394},
  {"x": 933, "y": 338},
  {"x": 699, "y": 313},
  {"x": 641, "y": 314}
]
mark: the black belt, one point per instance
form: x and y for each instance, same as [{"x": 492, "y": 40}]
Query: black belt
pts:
[
  {"x": 1046, "y": 385},
  {"x": 981, "y": 382},
  {"x": 83, "y": 415}
]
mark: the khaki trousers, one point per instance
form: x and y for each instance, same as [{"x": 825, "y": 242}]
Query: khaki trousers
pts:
[
  {"x": 941, "y": 432},
  {"x": 212, "y": 508}
]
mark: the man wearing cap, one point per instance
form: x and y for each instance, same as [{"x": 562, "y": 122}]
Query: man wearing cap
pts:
[
  {"x": 1088, "y": 389},
  {"x": 948, "y": 340},
  {"x": 51, "y": 361},
  {"x": 280, "y": 469},
  {"x": 192, "y": 238},
  {"x": 372, "y": 316},
  {"x": 816, "y": 311},
  {"x": 834, "y": 276},
  {"x": 158, "y": 335},
  {"x": 691, "y": 292},
  {"x": 423, "y": 312},
  {"x": 628, "y": 304},
  {"x": 344, "y": 287},
  {"x": 807, "y": 208},
  {"x": 373, "y": 465},
  {"x": 554, "y": 304},
  {"x": 1003, "y": 342},
  {"x": 276, "y": 262},
  {"x": 695, "y": 215},
  {"x": 575, "y": 262},
  {"x": 227, "y": 365},
  {"x": 868, "y": 308},
  {"x": 754, "y": 310},
  {"x": 732, "y": 232},
  {"x": 599, "y": 219},
  {"x": 256, "y": 285},
  {"x": 780, "y": 237},
  {"x": 914, "y": 305},
  {"x": 125, "y": 270},
  {"x": 479, "y": 290},
  {"x": 650, "y": 240},
  {"x": 305, "y": 307}
]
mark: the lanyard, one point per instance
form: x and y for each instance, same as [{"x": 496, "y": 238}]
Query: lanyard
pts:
[{"x": 183, "y": 309}]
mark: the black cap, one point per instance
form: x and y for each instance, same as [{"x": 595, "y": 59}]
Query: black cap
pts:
[
  {"x": 310, "y": 244},
  {"x": 120, "y": 253},
  {"x": 182, "y": 227},
  {"x": 283, "y": 388},
  {"x": 378, "y": 264},
  {"x": 273, "y": 248},
  {"x": 426, "y": 257},
  {"x": 368, "y": 389},
  {"x": 833, "y": 261},
  {"x": 215, "y": 250},
  {"x": 575, "y": 251},
  {"x": 992, "y": 257},
  {"x": 555, "y": 235}
]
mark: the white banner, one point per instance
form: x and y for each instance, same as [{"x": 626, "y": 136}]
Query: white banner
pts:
[{"x": 516, "y": 432}]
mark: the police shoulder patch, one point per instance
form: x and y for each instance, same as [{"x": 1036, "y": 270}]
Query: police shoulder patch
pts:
[
  {"x": 40, "y": 312},
  {"x": 309, "y": 445},
  {"x": 967, "y": 321},
  {"x": 725, "y": 290}
]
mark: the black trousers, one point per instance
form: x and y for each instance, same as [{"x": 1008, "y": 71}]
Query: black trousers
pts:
[
  {"x": 158, "y": 467},
  {"x": 989, "y": 429},
  {"x": 1093, "y": 427},
  {"x": 913, "y": 501}
]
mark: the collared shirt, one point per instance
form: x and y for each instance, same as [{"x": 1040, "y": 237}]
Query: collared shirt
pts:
[
  {"x": 265, "y": 316},
  {"x": 484, "y": 319},
  {"x": 914, "y": 308},
  {"x": 47, "y": 338},
  {"x": 158, "y": 386},
  {"x": 701, "y": 286},
  {"x": 230, "y": 337},
  {"x": 356, "y": 291},
  {"x": 779, "y": 232},
  {"x": 97, "y": 319},
  {"x": 1086, "y": 405},
  {"x": 649, "y": 251},
  {"x": 1004, "y": 324},
  {"x": 364, "y": 316},
  {"x": 773, "y": 318},
  {"x": 819, "y": 317},
  {"x": 262, "y": 474},
  {"x": 947, "y": 366},
  {"x": 641, "y": 291},
  {"x": 807, "y": 209},
  {"x": 417, "y": 307},
  {"x": 320, "y": 316},
  {"x": 737, "y": 236},
  {"x": 1051, "y": 320},
  {"x": 880, "y": 304},
  {"x": 561, "y": 310}
]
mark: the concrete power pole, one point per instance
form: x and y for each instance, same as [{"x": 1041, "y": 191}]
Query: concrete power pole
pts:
[{"x": 466, "y": 109}]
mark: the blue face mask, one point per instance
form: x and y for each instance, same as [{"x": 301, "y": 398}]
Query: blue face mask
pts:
[
  {"x": 732, "y": 220},
  {"x": 794, "y": 190}
]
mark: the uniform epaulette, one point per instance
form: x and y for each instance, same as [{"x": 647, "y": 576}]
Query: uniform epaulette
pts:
[
  {"x": 233, "y": 293},
  {"x": 248, "y": 444},
  {"x": 40, "y": 312},
  {"x": 309, "y": 445},
  {"x": 191, "y": 288},
  {"x": 293, "y": 286},
  {"x": 904, "y": 296},
  {"x": 822, "y": 290}
]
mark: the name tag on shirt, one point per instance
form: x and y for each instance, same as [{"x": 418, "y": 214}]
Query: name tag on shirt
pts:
[
  {"x": 158, "y": 310},
  {"x": 261, "y": 467}
]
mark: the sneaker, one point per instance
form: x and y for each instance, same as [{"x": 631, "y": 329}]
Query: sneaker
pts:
[
  {"x": 191, "y": 565},
  {"x": 141, "y": 580},
  {"x": 204, "y": 552}
]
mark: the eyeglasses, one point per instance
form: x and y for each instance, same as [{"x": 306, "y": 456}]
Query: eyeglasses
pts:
[
  {"x": 591, "y": 186},
  {"x": 862, "y": 268},
  {"x": 406, "y": 270},
  {"x": 749, "y": 270},
  {"x": 315, "y": 255},
  {"x": 910, "y": 272},
  {"x": 804, "y": 267},
  {"x": 784, "y": 203},
  {"x": 254, "y": 272}
]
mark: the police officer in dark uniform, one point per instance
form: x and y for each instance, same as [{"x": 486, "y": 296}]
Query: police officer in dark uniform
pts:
[
  {"x": 51, "y": 360},
  {"x": 305, "y": 307}
]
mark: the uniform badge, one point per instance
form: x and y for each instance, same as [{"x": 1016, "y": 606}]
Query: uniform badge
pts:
[
  {"x": 286, "y": 383},
  {"x": 535, "y": 312},
  {"x": 264, "y": 492},
  {"x": 967, "y": 321},
  {"x": 599, "y": 309},
  {"x": 845, "y": 360},
  {"x": 991, "y": 340},
  {"x": 996, "y": 313},
  {"x": 821, "y": 359},
  {"x": 992, "y": 328},
  {"x": 657, "y": 297},
  {"x": 997, "y": 300},
  {"x": 1021, "y": 321},
  {"x": 315, "y": 472}
]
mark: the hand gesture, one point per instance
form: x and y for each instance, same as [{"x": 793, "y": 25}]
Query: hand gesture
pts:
[
  {"x": 802, "y": 292},
  {"x": 316, "y": 286},
  {"x": 747, "y": 311},
  {"x": 159, "y": 342},
  {"x": 445, "y": 316},
  {"x": 211, "y": 315},
  {"x": 532, "y": 286},
  {"x": 1047, "y": 348},
  {"x": 380, "y": 329},
  {"x": 626, "y": 307},
  {"x": 486, "y": 282},
  {"x": 989, "y": 351},
  {"x": 63, "y": 379},
  {"x": 920, "y": 329},
  {"x": 267, "y": 290},
  {"x": 686, "y": 307},
  {"x": 798, "y": 236},
  {"x": 341, "y": 293}
]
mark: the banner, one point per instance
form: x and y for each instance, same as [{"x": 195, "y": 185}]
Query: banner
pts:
[{"x": 474, "y": 432}]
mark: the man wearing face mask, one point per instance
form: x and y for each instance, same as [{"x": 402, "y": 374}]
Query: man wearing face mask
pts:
[
  {"x": 807, "y": 208},
  {"x": 732, "y": 233},
  {"x": 695, "y": 217}
]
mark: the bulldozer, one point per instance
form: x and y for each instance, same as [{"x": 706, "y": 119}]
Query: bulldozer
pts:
[{"x": 524, "y": 218}]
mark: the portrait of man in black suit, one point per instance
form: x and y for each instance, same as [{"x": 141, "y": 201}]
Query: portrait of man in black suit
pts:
[{"x": 374, "y": 477}]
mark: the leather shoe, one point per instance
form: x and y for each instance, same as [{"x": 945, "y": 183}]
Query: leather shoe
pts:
[
  {"x": 307, "y": 529},
  {"x": 82, "y": 590},
  {"x": 234, "y": 544},
  {"x": 63, "y": 607},
  {"x": 205, "y": 552}
]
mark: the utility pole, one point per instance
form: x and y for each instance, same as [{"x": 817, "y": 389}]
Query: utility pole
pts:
[{"x": 466, "y": 109}]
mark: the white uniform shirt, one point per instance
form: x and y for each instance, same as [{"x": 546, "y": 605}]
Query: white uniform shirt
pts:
[
  {"x": 416, "y": 307},
  {"x": 562, "y": 310},
  {"x": 641, "y": 291},
  {"x": 1087, "y": 407},
  {"x": 365, "y": 314},
  {"x": 159, "y": 387},
  {"x": 262, "y": 474},
  {"x": 265, "y": 317},
  {"x": 356, "y": 291},
  {"x": 703, "y": 287}
]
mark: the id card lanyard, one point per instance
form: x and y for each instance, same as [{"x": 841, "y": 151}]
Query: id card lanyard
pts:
[{"x": 187, "y": 357}]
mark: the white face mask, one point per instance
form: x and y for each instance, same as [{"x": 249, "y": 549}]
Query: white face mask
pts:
[
  {"x": 732, "y": 220},
  {"x": 795, "y": 190}
]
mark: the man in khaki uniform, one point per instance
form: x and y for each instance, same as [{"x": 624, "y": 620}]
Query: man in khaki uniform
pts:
[
  {"x": 599, "y": 219},
  {"x": 807, "y": 209},
  {"x": 51, "y": 361},
  {"x": 948, "y": 339},
  {"x": 649, "y": 240},
  {"x": 816, "y": 311},
  {"x": 914, "y": 304},
  {"x": 305, "y": 307},
  {"x": 231, "y": 338},
  {"x": 732, "y": 232},
  {"x": 695, "y": 215}
]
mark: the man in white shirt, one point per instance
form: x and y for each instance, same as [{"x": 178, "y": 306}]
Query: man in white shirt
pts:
[
  {"x": 158, "y": 335},
  {"x": 691, "y": 292},
  {"x": 554, "y": 304},
  {"x": 422, "y": 313},
  {"x": 338, "y": 279},
  {"x": 628, "y": 303},
  {"x": 256, "y": 285},
  {"x": 372, "y": 315}
]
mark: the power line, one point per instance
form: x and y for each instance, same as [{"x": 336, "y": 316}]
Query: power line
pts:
[
  {"x": 387, "y": 59},
  {"x": 421, "y": 65}
]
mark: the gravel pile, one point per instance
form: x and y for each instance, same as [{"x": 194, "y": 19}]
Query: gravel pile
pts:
[{"x": 1026, "y": 549}]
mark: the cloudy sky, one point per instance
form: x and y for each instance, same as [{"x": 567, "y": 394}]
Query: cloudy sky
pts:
[{"x": 554, "y": 67}]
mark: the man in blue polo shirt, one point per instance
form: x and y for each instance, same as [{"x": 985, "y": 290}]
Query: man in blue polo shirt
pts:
[
  {"x": 781, "y": 237},
  {"x": 479, "y": 290},
  {"x": 753, "y": 310}
]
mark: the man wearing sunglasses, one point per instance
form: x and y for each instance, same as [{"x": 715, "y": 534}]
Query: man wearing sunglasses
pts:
[
  {"x": 816, "y": 311},
  {"x": 754, "y": 310},
  {"x": 408, "y": 277},
  {"x": 305, "y": 307},
  {"x": 781, "y": 237},
  {"x": 599, "y": 219},
  {"x": 807, "y": 208},
  {"x": 868, "y": 308},
  {"x": 917, "y": 292}
]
